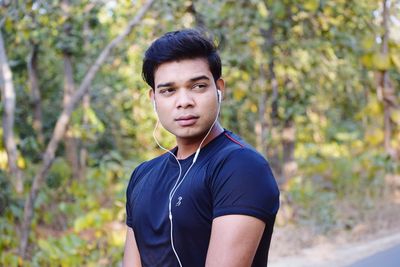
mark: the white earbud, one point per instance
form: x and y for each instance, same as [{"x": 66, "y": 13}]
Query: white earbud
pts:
[
  {"x": 154, "y": 105},
  {"x": 219, "y": 96}
]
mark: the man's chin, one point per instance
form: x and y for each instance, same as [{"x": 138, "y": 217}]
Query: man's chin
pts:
[{"x": 190, "y": 133}]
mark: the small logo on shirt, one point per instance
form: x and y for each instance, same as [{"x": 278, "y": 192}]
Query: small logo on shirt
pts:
[{"x": 179, "y": 201}]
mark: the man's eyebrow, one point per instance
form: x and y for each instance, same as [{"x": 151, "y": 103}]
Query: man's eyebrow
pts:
[
  {"x": 165, "y": 84},
  {"x": 202, "y": 77},
  {"x": 195, "y": 79}
]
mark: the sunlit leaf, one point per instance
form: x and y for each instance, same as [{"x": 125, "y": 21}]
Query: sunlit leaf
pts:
[
  {"x": 262, "y": 9},
  {"x": 381, "y": 61},
  {"x": 311, "y": 5},
  {"x": 374, "y": 137},
  {"x": 395, "y": 116},
  {"x": 238, "y": 94},
  {"x": 396, "y": 60},
  {"x": 368, "y": 43}
]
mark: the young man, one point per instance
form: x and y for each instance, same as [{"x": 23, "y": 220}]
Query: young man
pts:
[{"x": 212, "y": 200}]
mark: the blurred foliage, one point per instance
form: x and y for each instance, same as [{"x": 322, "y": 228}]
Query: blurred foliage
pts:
[{"x": 324, "y": 55}]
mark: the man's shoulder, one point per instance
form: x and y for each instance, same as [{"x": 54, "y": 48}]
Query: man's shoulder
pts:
[
  {"x": 236, "y": 148},
  {"x": 149, "y": 164}
]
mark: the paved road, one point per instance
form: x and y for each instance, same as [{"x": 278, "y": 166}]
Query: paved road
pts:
[
  {"x": 386, "y": 258},
  {"x": 382, "y": 252}
]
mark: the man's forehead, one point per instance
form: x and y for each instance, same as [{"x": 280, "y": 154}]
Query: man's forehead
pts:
[{"x": 182, "y": 71}]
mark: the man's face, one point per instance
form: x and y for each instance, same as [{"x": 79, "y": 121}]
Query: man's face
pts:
[{"x": 186, "y": 97}]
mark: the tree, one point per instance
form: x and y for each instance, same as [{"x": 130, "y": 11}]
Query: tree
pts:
[{"x": 62, "y": 123}]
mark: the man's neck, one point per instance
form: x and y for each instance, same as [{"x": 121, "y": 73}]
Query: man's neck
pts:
[{"x": 187, "y": 148}]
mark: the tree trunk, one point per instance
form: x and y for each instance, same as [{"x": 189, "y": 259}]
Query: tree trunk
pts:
[
  {"x": 288, "y": 145},
  {"x": 61, "y": 126},
  {"x": 71, "y": 143},
  {"x": 289, "y": 136},
  {"x": 8, "y": 97},
  {"x": 198, "y": 18},
  {"x": 273, "y": 151},
  {"x": 35, "y": 94},
  {"x": 385, "y": 88}
]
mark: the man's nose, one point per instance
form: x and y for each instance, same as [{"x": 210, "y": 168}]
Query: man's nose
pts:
[{"x": 185, "y": 99}]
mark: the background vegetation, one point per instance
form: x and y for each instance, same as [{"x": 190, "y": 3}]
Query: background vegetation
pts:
[{"x": 313, "y": 84}]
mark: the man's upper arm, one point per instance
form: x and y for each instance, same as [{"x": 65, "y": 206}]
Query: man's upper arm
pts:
[
  {"x": 245, "y": 185},
  {"x": 131, "y": 251},
  {"x": 245, "y": 202},
  {"x": 234, "y": 241}
]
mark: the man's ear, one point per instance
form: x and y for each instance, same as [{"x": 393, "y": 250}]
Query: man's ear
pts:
[
  {"x": 220, "y": 83},
  {"x": 151, "y": 94}
]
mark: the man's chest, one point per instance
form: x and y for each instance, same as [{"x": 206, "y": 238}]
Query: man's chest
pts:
[{"x": 188, "y": 198}]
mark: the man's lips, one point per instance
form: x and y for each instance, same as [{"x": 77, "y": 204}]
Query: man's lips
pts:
[{"x": 186, "y": 120}]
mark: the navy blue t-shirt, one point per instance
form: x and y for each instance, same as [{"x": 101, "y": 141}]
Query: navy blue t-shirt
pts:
[{"x": 229, "y": 177}]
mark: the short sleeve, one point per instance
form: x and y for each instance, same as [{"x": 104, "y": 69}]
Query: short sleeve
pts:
[
  {"x": 243, "y": 183},
  {"x": 128, "y": 206}
]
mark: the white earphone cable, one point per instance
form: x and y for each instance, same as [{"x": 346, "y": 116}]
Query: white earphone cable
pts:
[
  {"x": 169, "y": 202},
  {"x": 179, "y": 181}
]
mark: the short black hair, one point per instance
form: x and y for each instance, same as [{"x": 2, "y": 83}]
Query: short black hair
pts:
[{"x": 178, "y": 45}]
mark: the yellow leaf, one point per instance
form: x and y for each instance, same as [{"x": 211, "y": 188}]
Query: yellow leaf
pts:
[
  {"x": 366, "y": 60},
  {"x": 375, "y": 108},
  {"x": 245, "y": 76},
  {"x": 324, "y": 23},
  {"x": 328, "y": 11},
  {"x": 368, "y": 43},
  {"x": 311, "y": 5},
  {"x": 98, "y": 233},
  {"x": 395, "y": 116},
  {"x": 3, "y": 160},
  {"x": 8, "y": 25},
  {"x": 253, "y": 108},
  {"x": 238, "y": 95},
  {"x": 381, "y": 61},
  {"x": 21, "y": 163},
  {"x": 396, "y": 60},
  {"x": 262, "y": 9},
  {"x": 117, "y": 238},
  {"x": 374, "y": 137}
]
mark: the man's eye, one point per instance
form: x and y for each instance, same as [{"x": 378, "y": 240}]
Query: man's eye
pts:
[
  {"x": 167, "y": 91},
  {"x": 199, "y": 86}
]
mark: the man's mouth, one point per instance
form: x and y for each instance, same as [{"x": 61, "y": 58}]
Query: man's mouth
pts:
[{"x": 186, "y": 120}]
